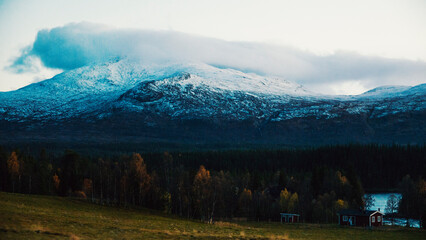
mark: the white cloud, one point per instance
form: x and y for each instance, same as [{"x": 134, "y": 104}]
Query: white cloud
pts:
[
  {"x": 76, "y": 45},
  {"x": 349, "y": 87}
]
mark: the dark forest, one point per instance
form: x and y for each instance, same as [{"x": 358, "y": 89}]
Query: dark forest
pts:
[{"x": 216, "y": 185}]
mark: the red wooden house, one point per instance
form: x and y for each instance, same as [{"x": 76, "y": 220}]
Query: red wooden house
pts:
[
  {"x": 368, "y": 218},
  {"x": 289, "y": 217}
]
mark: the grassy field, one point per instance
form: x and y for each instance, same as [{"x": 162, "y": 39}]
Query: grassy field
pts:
[{"x": 46, "y": 217}]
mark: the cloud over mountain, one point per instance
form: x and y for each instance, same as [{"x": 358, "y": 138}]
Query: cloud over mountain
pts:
[{"x": 75, "y": 45}]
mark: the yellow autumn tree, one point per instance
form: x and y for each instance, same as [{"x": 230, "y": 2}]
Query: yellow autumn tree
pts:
[
  {"x": 202, "y": 191},
  {"x": 245, "y": 202},
  {"x": 14, "y": 168},
  {"x": 288, "y": 201},
  {"x": 140, "y": 175},
  {"x": 340, "y": 204},
  {"x": 284, "y": 199},
  {"x": 293, "y": 202}
]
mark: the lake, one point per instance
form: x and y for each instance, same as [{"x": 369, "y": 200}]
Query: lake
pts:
[{"x": 380, "y": 203}]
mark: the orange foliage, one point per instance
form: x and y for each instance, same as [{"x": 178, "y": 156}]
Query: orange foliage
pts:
[
  {"x": 203, "y": 192},
  {"x": 245, "y": 201},
  {"x": 202, "y": 177},
  {"x": 343, "y": 180},
  {"x": 13, "y": 165},
  {"x": 141, "y": 174},
  {"x": 87, "y": 186},
  {"x": 246, "y": 195},
  {"x": 56, "y": 181},
  {"x": 202, "y": 184}
]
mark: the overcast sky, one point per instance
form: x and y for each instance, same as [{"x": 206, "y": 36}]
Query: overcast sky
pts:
[{"x": 333, "y": 47}]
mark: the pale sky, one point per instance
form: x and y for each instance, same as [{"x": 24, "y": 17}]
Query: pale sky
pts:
[{"x": 386, "y": 31}]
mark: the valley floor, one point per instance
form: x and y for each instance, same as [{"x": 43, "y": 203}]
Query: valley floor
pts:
[{"x": 47, "y": 217}]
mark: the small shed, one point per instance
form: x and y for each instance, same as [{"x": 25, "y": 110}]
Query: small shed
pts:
[
  {"x": 367, "y": 218},
  {"x": 289, "y": 218}
]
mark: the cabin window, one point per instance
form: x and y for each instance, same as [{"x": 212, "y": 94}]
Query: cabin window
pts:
[
  {"x": 345, "y": 218},
  {"x": 373, "y": 219},
  {"x": 378, "y": 219}
]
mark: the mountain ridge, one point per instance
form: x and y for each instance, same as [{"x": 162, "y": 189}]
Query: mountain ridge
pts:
[{"x": 194, "y": 103}]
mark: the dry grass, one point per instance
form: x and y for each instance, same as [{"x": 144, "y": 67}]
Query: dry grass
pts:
[
  {"x": 226, "y": 224},
  {"x": 44, "y": 217},
  {"x": 74, "y": 237}
]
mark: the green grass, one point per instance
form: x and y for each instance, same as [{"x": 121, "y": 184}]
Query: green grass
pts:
[{"x": 46, "y": 217}]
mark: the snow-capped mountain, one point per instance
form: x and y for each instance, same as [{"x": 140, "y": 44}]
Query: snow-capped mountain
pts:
[
  {"x": 89, "y": 88},
  {"x": 129, "y": 101}
]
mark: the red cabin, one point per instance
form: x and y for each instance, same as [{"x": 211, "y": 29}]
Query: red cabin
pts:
[
  {"x": 289, "y": 218},
  {"x": 359, "y": 218}
]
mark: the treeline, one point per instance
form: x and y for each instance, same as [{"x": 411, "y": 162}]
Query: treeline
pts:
[
  {"x": 255, "y": 185},
  {"x": 379, "y": 167}
]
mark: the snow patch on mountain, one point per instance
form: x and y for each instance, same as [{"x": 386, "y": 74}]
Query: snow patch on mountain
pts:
[{"x": 385, "y": 91}]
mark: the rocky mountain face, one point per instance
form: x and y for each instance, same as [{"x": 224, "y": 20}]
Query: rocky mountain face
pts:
[{"x": 125, "y": 101}]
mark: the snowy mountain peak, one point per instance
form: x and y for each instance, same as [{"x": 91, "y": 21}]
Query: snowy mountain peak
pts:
[
  {"x": 124, "y": 74},
  {"x": 167, "y": 101},
  {"x": 91, "y": 88}
]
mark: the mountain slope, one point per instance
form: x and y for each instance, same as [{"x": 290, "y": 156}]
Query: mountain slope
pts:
[{"x": 198, "y": 103}]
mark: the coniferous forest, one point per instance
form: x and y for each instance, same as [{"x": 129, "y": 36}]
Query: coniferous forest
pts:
[{"x": 219, "y": 185}]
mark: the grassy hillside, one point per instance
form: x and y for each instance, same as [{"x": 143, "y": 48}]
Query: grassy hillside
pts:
[{"x": 45, "y": 217}]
